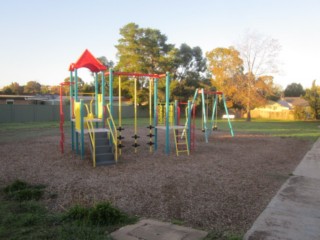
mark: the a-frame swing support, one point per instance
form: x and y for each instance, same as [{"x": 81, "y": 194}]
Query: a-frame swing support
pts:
[{"x": 207, "y": 130}]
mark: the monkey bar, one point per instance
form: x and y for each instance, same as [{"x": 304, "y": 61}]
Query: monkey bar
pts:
[{"x": 130, "y": 74}]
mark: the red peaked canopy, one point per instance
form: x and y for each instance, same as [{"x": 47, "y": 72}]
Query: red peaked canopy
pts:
[{"x": 87, "y": 60}]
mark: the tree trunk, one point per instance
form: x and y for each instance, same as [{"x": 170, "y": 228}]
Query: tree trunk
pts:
[
  {"x": 248, "y": 113},
  {"x": 248, "y": 116}
]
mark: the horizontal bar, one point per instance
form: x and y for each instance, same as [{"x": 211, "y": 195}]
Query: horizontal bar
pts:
[
  {"x": 136, "y": 74},
  {"x": 210, "y": 92},
  {"x": 67, "y": 83}
]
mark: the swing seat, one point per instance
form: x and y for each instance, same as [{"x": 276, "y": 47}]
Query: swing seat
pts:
[{"x": 225, "y": 116}]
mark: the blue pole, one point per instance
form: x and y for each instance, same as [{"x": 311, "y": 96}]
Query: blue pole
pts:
[
  {"x": 71, "y": 108},
  {"x": 155, "y": 113},
  {"x": 82, "y": 128},
  {"x": 111, "y": 90},
  {"x": 167, "y": 145},
  {"x": 96, "y": 92}
]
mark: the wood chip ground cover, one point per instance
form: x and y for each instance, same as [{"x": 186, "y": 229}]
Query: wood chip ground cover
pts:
[{"x": 222, "y": 185}]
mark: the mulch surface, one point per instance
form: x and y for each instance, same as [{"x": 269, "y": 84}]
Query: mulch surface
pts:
[{"x": 224, "y": 184}]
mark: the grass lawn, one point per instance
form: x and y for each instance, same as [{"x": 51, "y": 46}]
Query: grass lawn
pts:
[
  {"x": 299, "y": 129},
  {"x": 23, "y": 216}
]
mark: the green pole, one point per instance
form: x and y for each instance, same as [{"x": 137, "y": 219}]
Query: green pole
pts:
[
  {"x": 77, "y": 142},
  {"x": 82, "y": 128},
  {"x": 167, "y": 145},
  {"x": 155, "y": 113},
  {"x": 76, "y": 85},
  {"x": 226, "y": 109},
  {"x": 194, "y": 97},
  {"x": 111, "y": 90},
  {"x": 189, "y": 123},
  {"x": 213, "y": 111},
  {"x": 71, "y": 108},
  {"x": 204, "y": 116},
  {"x": 96, "y": 92},
  {"x": 176, "y": 112}
]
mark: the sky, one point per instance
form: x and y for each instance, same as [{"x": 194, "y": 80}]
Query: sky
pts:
[{"x": 39, "y": 39}]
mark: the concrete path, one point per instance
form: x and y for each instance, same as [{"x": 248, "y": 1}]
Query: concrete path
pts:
[
  {"x": 148, "y": 229},
  {"x": 294, "y": 213}
]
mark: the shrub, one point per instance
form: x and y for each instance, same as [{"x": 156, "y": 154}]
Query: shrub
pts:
[{"x": 102, "y": 214}]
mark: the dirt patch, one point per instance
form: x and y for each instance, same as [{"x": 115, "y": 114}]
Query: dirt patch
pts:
[{"x": 224, "y": 184}]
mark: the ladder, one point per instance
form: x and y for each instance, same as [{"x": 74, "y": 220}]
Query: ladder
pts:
[{"x": 181, "y": 141}]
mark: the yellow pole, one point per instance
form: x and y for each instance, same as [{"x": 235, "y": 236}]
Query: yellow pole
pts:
[
  {"x": 120, "y": 115},
  {"x": 135, "y": 113}
]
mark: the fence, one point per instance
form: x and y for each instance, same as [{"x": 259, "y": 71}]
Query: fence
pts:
[
  {"x": 42, "y": 113},
  {"x": 277, "y": 115}
]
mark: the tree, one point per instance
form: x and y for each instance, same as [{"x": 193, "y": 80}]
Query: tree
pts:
[
  {"x": 82, "y": 86},
  {"x": 294, "y": 90},
  {"x": 55, "y": 89},
  {"x": 190, "y": 72},
  {"x": 32, "y": 87},
  {"x": 191, "y": 63},
  {"x": 144, "y": 50},
  {"x": 106, "y": 62},
  {"x": 7, "y": 90},
  {"x": 276, "y": 93},
  {"x": 259, "y": 55},
  {"x": 225, "y": 66},
  {"x": 313, "y": 97},
  {"x": 45, "y": 89},
  {"x": 13, "y": 88}
]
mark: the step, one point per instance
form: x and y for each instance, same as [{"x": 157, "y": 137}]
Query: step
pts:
[
  {"x": 102, "y": 141},
  {"x": 101, "y": 134},
  {"x": 104, "y": 156},
  {"x": 103, "y": 149},
  {"x": 105, "y": 162},
  {"x": 105, "y": 159},
  {"x": 96, "y": 130}
]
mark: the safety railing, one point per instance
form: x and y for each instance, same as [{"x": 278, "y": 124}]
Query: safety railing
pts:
[
  {"x": 113, "y": 132},
  {"x": 92, "y": 136}
]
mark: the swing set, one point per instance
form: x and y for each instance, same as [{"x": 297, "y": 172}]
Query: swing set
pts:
[{"x": 209, "y": 125}]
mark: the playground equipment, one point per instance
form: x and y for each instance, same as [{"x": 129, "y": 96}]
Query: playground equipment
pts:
[
  {"x": 166, "y": 111},
  {"x": 96, "y": 118},
  {"x": 83, "y": 119},
  {"x": 207, "y": 129}
]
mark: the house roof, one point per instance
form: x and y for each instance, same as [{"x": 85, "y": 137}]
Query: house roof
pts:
[
  {"x": 284, "y": 103},
  {"x": 297, "y": 101}
]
